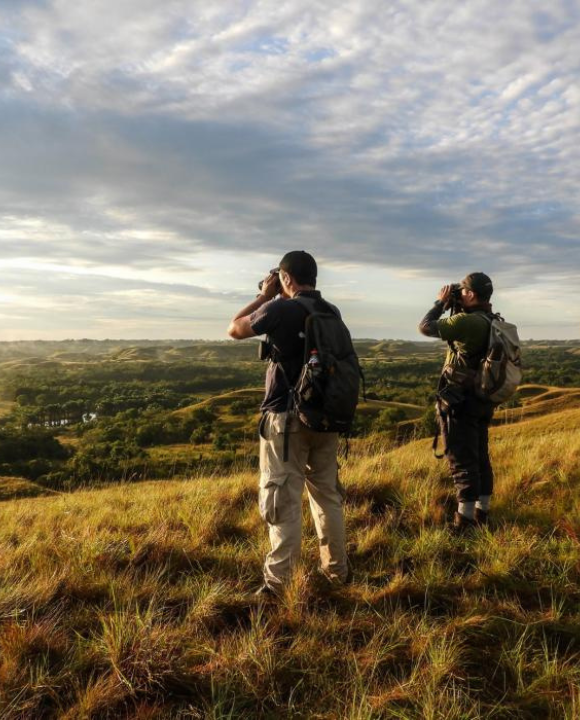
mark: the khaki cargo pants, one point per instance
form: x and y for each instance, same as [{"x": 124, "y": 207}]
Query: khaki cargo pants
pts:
[{"x": 311, "y": 460}]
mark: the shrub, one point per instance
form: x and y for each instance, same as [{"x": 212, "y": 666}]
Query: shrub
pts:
[{"x": 388, "y": 418}]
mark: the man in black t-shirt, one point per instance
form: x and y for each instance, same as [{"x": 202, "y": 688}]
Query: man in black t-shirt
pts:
[{"x": 311, "y": 457}]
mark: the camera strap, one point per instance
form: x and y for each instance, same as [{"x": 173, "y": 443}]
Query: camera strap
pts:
[
  {"x": 441, "y": 423},
  {"x": 442, "y": 418},
  {"x": 290, "y": 406},
  {"x": 289, "y": 412}
]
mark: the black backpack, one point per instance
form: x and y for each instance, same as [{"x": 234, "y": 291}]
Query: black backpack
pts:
[{"x": 326, "y": 394}]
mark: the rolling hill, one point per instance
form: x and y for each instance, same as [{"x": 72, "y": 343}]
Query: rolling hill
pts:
[
  {"x": 539, "y": 400},
  {"x": 12, "y": 488}
]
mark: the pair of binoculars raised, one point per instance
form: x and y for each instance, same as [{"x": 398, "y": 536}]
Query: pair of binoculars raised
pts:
[{"x": 274, "y": 271}]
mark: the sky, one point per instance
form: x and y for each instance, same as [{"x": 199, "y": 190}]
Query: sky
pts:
[{"x": 157, "y": 159}]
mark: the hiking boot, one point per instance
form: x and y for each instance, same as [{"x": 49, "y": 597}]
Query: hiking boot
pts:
[
  {"x": 481, "y": 517},
  {"x": 462, "y": 525},
  {"x": 333, "y": 580}
]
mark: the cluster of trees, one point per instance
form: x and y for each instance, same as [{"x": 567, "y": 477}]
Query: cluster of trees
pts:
[
  {"x": 559, "y": 366},
  {"x": 56, "y": 393},
  {"x": 113, "y": 448},
  {"x": 383, "y": 421},
  {"x": 162, "y": 428},
  {"x": 407, "y": 380},
  {"x": 52, "y": 414},
  {"x": 29, "y": 452}
]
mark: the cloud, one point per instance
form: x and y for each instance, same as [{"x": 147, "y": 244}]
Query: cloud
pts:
[
  {"x": 48, "y": 301},
  {"x": 419, "y": 136}
]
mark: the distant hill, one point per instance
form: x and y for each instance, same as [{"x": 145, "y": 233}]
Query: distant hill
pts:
[
  {"x": 171, "y": 350},
  {"x": 395, "y": 348},
  {"x": 134, "y": 350},
  {"x": 85, "y": 349}
]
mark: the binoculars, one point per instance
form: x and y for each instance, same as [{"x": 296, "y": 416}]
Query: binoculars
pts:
[{"x": 274, "y": 271}]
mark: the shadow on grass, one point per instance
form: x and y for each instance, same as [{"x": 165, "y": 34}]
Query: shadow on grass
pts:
[
  {"x": 381, "y": 498},
  {"x": 172, "y": 562}
]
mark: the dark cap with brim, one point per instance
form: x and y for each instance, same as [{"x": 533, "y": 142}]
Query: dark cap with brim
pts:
[
  {"x": 301, "y": 265},
  {"x": 479, "y": 283}
]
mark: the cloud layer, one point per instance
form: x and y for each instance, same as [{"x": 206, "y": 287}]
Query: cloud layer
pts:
[{"x": 426, "y": 137}]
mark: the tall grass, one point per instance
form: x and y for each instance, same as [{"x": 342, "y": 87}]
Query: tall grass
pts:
[{"x": 135, "y": 601}]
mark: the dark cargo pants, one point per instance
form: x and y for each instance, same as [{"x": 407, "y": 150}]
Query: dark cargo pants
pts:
[{"x": 468, "y": 449}]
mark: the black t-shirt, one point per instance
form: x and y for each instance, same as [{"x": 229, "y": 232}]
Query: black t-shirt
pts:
[{"x": 283, "y": 321}]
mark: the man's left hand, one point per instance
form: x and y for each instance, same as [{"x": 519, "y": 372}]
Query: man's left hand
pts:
[{"x": 270, "y": 286}]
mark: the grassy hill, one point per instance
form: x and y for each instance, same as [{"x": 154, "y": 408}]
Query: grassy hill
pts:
[
  {"x": 223, "y": 404},
  {"x": 225, "y": 400},
  {"x": 541, "y": 400},
  {"x": 237, "y": 412},
  {"x": 537, "y": 401},
  {"x": 16, "y": 487},
  {"x": 133, "y": 601}
]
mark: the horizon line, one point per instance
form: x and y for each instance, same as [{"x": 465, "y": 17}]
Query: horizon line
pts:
[{"x": 251, "y": 339}]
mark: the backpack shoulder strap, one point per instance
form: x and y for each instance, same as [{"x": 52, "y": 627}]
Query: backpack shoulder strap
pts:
[
  {"x": 309, "y": 304},
  {"x": 316, "y": 308},
  {"x": 305, "y": 302},
  {"x": 490, "y": 317}
]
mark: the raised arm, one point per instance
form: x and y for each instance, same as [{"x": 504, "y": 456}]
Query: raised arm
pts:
[
  {"x": 428, "y": 325},
  {"x": 240, "y": 326}
]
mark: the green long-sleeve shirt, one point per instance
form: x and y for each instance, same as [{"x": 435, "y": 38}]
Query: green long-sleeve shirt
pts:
[{"x": 468, "y": 334}]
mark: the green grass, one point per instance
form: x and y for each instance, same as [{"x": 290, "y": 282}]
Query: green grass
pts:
[{"x": 134, "y": 601}]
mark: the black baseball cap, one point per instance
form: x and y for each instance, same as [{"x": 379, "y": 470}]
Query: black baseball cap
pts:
[
  {"x": 301, "y": 265},
  {"x": 479, "y": 283}
]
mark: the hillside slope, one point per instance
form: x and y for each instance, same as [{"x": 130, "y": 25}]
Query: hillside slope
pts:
[
  {"x": 540, "y": 400},
  {"x": 17, "y": 487},
  {"x": 133, "y": 601},
  {"x": 223, "y": 402}
]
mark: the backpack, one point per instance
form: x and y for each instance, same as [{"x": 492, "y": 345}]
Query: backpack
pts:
[
  {"x": 500, "y": 370},
  {"x": 326, "y": 393}
]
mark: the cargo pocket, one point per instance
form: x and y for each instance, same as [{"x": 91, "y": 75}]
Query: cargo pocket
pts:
[
  {"x": 278, "y": 423},
  {"x": 273, "y": 497},
  {"x": 273, "y": 441}
]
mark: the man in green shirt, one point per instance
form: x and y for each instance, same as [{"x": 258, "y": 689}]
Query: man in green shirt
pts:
[{"x": 465, "y": 418}]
